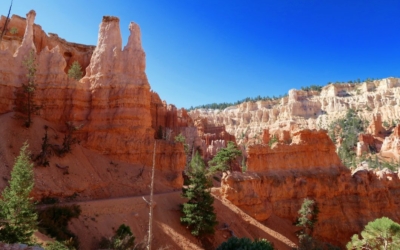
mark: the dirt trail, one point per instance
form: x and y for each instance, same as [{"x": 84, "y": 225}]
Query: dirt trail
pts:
[{"x": 100, "y": 218}]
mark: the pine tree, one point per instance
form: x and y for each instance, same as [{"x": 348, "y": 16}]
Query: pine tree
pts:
[
  {"x": 198, "y": 211},
  {"x": 223, "y": 160},
  {"x": 18, "y": 218},
  {"x": 381, "y": 233},
  {"x": 75, "y": 71}
]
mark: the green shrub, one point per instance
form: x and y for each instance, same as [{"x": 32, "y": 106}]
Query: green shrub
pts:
[
  {"x": 75, "y": 71},
  {"x": 272, "y": 141},
  {"x": 123, "y": 239},
  {"x": 245, "y": 244},
  {"x": 13, "y": 31},
  {"x": 56, "y": 245}
]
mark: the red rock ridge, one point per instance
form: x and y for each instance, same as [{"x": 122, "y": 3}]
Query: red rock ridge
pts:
[
  {"x": 281, "y": 177},
  {"x": 111, "y": 104}
]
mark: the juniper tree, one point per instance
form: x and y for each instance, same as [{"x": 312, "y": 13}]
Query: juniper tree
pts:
[
  {"x": 18, "y": 218},
  {"x": 198, "y": 211}
]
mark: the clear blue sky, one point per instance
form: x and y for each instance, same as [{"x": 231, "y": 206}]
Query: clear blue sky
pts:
[{"x": 205, "y": 51}]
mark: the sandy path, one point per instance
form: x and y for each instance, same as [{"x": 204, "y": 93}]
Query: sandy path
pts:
[{"x": 100, "y": 218}]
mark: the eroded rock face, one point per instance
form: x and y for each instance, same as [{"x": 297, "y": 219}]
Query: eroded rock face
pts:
[
  {"x": 391, "y": 145},
  {"x": 111, "y": 105},
  {"x": 71, "y": 52},
  {"x": 308, "y": 150},
  {"x": 308, "y": 109},
  {"x": 213, "y": 138},
  {"x": 280, "y": 178}
]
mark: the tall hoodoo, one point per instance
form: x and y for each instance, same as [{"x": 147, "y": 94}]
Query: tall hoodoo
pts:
[
  {"x": 27, "y": 41},
  {"x": 107, "y": 53}
]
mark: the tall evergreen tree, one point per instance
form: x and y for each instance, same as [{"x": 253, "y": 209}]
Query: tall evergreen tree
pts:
[
  {"x": 18, "y": 218},
  {"x": 198, "y": 211},
  {"x": 223, "y": 160}
]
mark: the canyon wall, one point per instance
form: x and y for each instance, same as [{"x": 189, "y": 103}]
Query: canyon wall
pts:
[
  {"x": 307, "y": 109},
  {"x": 111, "y": 105},
  {"x": 280, "y": 178}
]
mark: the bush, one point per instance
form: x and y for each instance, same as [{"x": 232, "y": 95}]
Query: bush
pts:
[
  {"x": 75, "y": 71},
  {"x": 245, "y": 244},
  {"x": 123, "y": 239},
  {"x": 54, "y": 220},
  {"x": 56, "y": 245}
]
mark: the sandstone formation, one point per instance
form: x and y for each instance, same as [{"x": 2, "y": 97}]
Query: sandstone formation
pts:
[
  {"x": 111, "y": 105},
  {"x": 308, "y": 150},
  {"x": 308, "y": 109},
  {"x": 391, "y": 145},
  {"x": 213, "y": 138},
  {"x": 280, "y": 178},
  {"x": 70, "y": 51}
]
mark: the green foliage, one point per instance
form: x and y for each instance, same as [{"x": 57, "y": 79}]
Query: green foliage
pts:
[
  {"x": 181, "y": 139},
  {"x": 308, "y": 216},
  {"x": 13, "y": 31},
  {"x": 25, "y": 103},
  {"x": 348, "y": 129},
  {"x": 245, "y": 244},
  {"x": 75, "y": 71},
  {"x": 272, "y": 141},
  {"x": 386, "y": 124},
  {"x": 223, "y": 160},
  {"x": 381, "y": 233},
  {"x": 198, "y": 212},
  {"x": 54, "y": 220},
  {"x": 123, "y": 239},
  {"x": 17, "y": 213},
  {"x": 56, "y": 245},
  {"x": 224, "y": 105},
  {"x": 312, "y": 88}
]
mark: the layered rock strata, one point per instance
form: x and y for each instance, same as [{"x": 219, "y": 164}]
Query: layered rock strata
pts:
[
  {"x": 308, "y": 109},
  {"x": 391, "y": 145},
  {"x": 280, "y": 178},
  {"x": 111, "y": 105},
  {"x": 213, "y": 138}
]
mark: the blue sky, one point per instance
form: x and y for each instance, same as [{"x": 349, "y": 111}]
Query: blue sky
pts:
[{"x": 205, "y": 51}]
